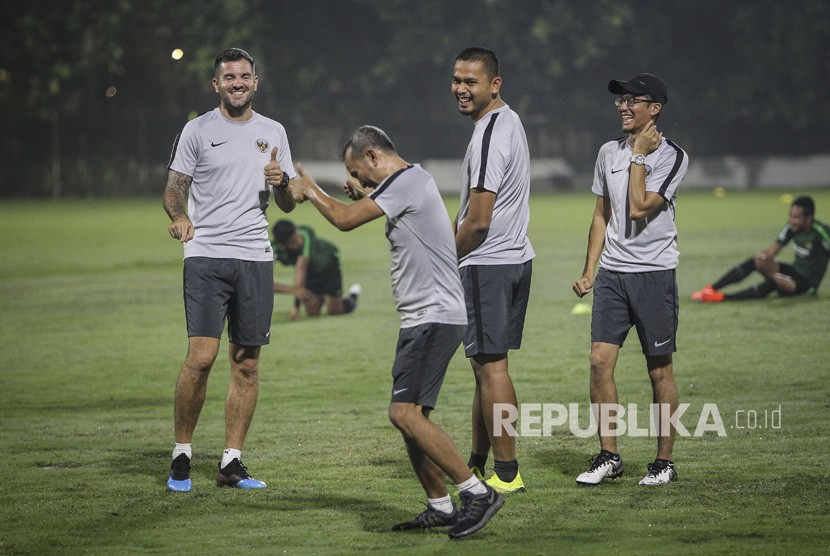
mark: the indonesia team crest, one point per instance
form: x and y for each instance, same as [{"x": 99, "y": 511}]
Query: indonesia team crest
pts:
[{"x": 262, "y": 145}]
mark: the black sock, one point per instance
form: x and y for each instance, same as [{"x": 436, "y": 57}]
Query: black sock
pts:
[
  {"x": 608, "y": 453},
  {"x": 736, "y": 274},
  {"x": 506, "y": 470},
  {"x": 755, "y": 292},
  {"x": 349, "y": 303},
  {"x": 477, "y": 460}
]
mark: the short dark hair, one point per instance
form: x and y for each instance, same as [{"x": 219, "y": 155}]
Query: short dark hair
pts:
[
  {"x": 232, "y": 55},
  {"x": 808, "y": 206},
  {"x": 480, "y": 54},
  {"x": 368, "y": 137},
  {"x": 282, "y": 230}
]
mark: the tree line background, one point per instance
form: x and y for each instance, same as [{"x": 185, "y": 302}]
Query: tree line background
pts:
[{"x": 92, "y": 99}]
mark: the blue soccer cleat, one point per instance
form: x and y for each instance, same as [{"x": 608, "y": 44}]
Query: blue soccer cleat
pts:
[
  {"x": 236, "y": 475},
  {"x": 179, "y": 479}
]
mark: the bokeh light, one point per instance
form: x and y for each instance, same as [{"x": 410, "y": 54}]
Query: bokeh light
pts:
[{"x": 177, "y": 54}]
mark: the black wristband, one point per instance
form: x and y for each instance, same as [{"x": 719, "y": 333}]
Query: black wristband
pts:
[{"x": 284, "y": 181}]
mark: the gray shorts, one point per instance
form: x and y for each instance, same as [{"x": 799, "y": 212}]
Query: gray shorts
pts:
[
  {"x": 496, "y": 297},
  {"x": 646, "y": 300},
  {"x": 242, "y": 291},
  {"x": 421, "y": 359}
]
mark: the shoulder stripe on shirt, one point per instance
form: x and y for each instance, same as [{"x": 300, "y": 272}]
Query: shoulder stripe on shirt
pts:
[
  {"x": 785, "y": 235},
  {"x": 819, "y": 227},
  {"x": 173, "y": 154},
  {"x": 678, "y": 160},
  {"x": 387, "y": 182},
  {"x": 485, "y": 148}
]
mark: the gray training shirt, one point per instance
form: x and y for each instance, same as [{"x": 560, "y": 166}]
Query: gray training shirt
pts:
[
  {"x": 498, "y": 160},
  {"x": 643, "y": 245},
  {"x": 425, "y": 280},
  {"x": 228, "y": 196}
]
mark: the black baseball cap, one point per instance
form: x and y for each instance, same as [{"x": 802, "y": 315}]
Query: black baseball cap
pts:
[{"x": 641, "y": 84}]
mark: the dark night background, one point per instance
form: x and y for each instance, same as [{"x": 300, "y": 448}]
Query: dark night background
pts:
[{"x": 745, "y": 78}]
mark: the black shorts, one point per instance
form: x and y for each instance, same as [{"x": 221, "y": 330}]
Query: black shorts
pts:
[
  {"x": 646, "y": 300},
  {"x": 801, "y": 283},
  {"x": 241, "y": 291},
  {"x": 329, "y": 282},
  {"x": 421, "y": 359},
  {"x": 496, "y": 298}
]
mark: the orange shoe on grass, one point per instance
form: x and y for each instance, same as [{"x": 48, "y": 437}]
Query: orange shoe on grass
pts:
[{"x": 708, "y": 295}]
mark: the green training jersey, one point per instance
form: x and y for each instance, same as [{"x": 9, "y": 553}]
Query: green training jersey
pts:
[
  {"x": 323, "y": 256},
  {"x": 812, "y": 250}
]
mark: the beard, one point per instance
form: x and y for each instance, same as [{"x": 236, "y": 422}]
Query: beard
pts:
[{"x": 233, "y": 110}]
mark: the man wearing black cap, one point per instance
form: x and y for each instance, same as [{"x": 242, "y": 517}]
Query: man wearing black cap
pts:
[{"x": 633, "y": 242}]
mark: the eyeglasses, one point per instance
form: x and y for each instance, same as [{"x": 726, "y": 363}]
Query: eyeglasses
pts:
[{"x": 630, "y": 101}]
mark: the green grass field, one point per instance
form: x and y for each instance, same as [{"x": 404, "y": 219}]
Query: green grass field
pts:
[{"x": 93, "y": 337}]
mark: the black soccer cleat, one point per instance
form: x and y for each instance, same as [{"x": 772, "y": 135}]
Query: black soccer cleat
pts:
[
  {"x": 476, "y": 511},
  {"x": 179, "y": 479},
  {"x": 236, "y": 475}
]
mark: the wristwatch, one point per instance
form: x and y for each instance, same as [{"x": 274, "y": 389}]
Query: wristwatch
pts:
[
  {"x": 638, "y": 159},
  {"x": 284, "y": 181}
]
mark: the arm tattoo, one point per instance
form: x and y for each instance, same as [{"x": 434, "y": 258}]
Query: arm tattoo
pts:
[{"x": 174, "y": 193}]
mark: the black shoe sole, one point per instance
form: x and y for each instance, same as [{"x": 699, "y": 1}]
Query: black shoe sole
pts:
[{"x": 409, "y": 527}]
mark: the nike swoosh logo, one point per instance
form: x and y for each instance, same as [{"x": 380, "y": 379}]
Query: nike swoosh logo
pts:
[
  {"x": 396, "y": 392},
  {"x": 212, "y": 144},
  {"x": 661, "y": 343},
  {"x": 617, "y": 170},
  {"x": 469, "y": 346}
]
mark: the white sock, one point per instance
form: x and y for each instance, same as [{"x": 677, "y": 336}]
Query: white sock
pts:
[
  {"x": 443, "y": 505},
  {"x": 473, "y": 484},
  {"x": 229, "y": 455},
  {"x": 182, "y": 449}
]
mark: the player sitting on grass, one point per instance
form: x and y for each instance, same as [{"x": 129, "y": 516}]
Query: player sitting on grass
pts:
[{"x": 812, "y": 251}]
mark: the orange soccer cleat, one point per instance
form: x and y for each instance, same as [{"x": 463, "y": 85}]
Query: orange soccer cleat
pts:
[{"x": 708, "y": 295}]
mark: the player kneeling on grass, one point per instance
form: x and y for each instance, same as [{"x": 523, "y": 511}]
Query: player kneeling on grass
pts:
[
  {"x": 318, "y": 280},
  {"x": 430, "y": 300}
]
